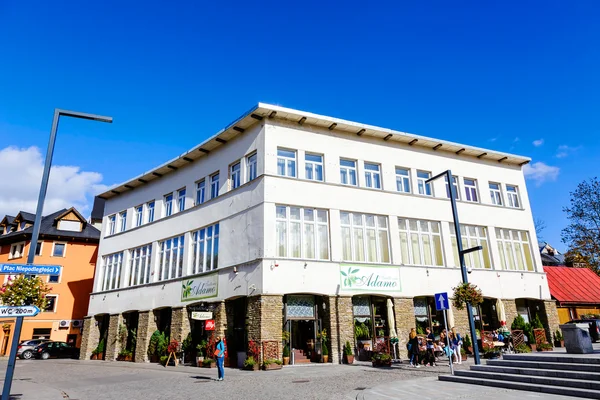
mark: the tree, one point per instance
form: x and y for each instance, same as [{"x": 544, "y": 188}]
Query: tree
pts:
[
  {"x": 582, "y": 235},
  {"x": 540, "y": 225}
]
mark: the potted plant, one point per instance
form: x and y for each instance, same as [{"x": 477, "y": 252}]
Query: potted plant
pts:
[
  {"x": 200, "y": 352},
  {"x": 522, "y": 348},
  {"x": 125, "y": 355},
  {"x": 491, "y": 353},
  {"x": 463, "y": 354},
  {"x": 322, "y": 337},
  {"x": 271, "y": 364},
  {"x": 162, "y": 344},
  {"x": 381, "y": 360},
  {"x": 98, "y": 351},
  {"x": 286, "y": 354},
  {"x": 250, "y": 364},
  {"x": 559, "y": 340},
  {"x": 325, "y": 351},
  {"x": 152, "y": 346},
  {"x": 209, "y": 363},
  {"x": 163, "y": 360},
  {"x": 348, "y": 356},
  {"x": 545, "y": 347},
  {"x": 466, "y": 293},
  {"x": 467, "y": 343}
]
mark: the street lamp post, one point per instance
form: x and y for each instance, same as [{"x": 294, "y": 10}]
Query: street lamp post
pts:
[
  {"x": 10, "y": 369},
  {"x": 461, "y": 256}
]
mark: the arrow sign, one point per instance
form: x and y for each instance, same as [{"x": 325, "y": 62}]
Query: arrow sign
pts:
[
  {"x": 441, "y": 301},
  {"x": 18, "y": 311},
  {"x": 29, "y": 269}
]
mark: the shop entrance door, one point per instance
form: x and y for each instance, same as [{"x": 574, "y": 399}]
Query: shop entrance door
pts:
[{"x": 303, "y": 340}]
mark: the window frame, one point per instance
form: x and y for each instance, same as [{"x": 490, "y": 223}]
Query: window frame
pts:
[
  {"x": 41, "y": 243},
  {"x": 54, "y": 249},
  {"x": 214, "y": 185},
  {"x": 503, "y": 245},
  {"x": 199, "y": 246},
  {"x": 251, "y": 166},
  {"x": 111, "y": 225},
  {"x": 11, "y": 253},
  {"x": 287, "y": 160},
  {"x": 314, "y": 165},
  {"x": 364, "y": 228},
  {"x": 420, "y": 234},
  {"x": 372, "y": 176},
  {"x": 181, "y": 193},
  {"x": 59, "y": 278},
  {"x": 122, "y": 219},
  {"x": 178, "y": 251},
  {"x": 512, "y": 196},
  {"x": 55, "y": 305},
  {"x": 469, "y": 240},
  {"x": 150, "y": 211},
  {"x": 139, "y": 215},
  {"x": 496, "y": 194},
  {"x": 110, "y": 280},
  {"x": 303, "y": 222},
  {"x": 235, "y": 175},
  {"x": 145, "y": 265},
  {"x": 454, "y": 185},
  {"x": 348, "y": 171},
  {"x": 403, "y": 180},
  {"x": 168, "y": 204},
  {"x": 421, "y": 183},
  {"x": 471, "y": 191}
]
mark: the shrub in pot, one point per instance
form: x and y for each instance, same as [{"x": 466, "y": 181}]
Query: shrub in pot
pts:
[
  {"x": 125, "y": 355},
  {"x": 522, "y": 348},
  {"x": 348, "y": 356},
  {"x": 251, "y": 364},
  {"x": 209, "y": 363},
  {"x": 325, "y": 351},
  {"x": 382, "y": 360},
  {"x": 286, "y": 354},
  {"x": 271, "y": 363},
  {"x": 463, "y": 354},
  {"x": 545, "y": 347}
]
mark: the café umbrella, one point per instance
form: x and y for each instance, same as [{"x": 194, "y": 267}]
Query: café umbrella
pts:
[
  {"x": 391, "y": 322},
  {"x": 501, "y": 313},
  {"x": 450, "y": 315}
]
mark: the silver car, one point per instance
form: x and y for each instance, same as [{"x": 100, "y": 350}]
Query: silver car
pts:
[{"x": 25, "y": 349}]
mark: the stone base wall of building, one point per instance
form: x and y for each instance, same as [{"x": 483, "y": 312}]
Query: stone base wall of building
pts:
[
  {"x": 220, "y": 316},
  {"x": 112, "y": 342},
  {"x": 146, "y": 327},
  {"x": 551, "y": 321},
  {"x": 90, "y": 338},
  {"x": 404, "y": 310},
  {"x": 265, "y": 319},
  {"x": 180, "y": 324},
  {"x": 510, "y": 309},
  {"x": 339, "y": 322}
]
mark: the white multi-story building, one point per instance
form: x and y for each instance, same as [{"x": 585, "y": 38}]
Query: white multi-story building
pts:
[{"x": 292, "y": 221}]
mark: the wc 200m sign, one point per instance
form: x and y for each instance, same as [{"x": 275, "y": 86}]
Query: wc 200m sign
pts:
[{"x": 380, "y": 279}]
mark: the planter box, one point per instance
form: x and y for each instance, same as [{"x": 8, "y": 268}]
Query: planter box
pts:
[
  {"x": 463, "y": 357},
  {"x": 252, "y": 368},
  {"x": 286, "y": 360},
  {"x": 124, "y": 358},
  {"x": 378, "y": 364},
  {"x": 270, "y": 367},
  {"x": 210, "y": 365},
  {"x": 94, "y": 357},
  {"x": 348, "y": 359}
]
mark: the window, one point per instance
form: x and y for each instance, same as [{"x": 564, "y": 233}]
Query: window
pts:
[
  {"x": 372, "y": 176},
  {"x": 150, "y": 207},
  {"x": 22, "y": 225},
  {"x": 168, "y": 204},
  {"x": 112, "y": 223},
  {"x": 171, "y": 258},
  {"x": 51, "y": 303},
  {"x": 423, "y": 187},
  {"x": 365, "y": 237},
  {"x": 496, "y": 194},
  {"x": 38, "y": 249},
  {"x": 205, "y": 248},
  {"x": 286, "y": 163},
  {"x": 200, "y": 192},
  {"x": 234, "y": 173},
  {"x": 112, "y": 271},
  {"x": 181, "y": 200},
  {"x": 302, "y": 233},
  {"x": 471, "y": 190},
  {"x": 139, "y": 215},
  {"x": 53, "y": 278},
  {"x": 348, "y": 172},
  {"x": 513, "y": 196},
  {"x": 472, "y": 236},
  {"x": 313, "y": 164},
  {"x": 41, "y": 333},
  {"x": 420, "y": 242},
  {"x": 251, "y": 170},
  {"x": 402, "y": 180},
  {"x": 214, "y": 185},
  {"x": 514, "y": 249},
  {"x": 454, "y": 187},
  {"x": 141, "y": 264},
  {"x": 59, "y": 249},
  {"x": 122, "y": 221},
  {"x": 16, "y": 250}
]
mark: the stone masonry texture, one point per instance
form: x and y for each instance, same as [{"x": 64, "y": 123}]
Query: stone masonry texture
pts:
[
  {"x": 404, "y": 311},
  {"x": 146, "y": 327},
  {"x": 180, "y": 324},
  {"x": 89, "y": 338},
  {"x": 265, "y": 318},
  {"x": 551, "y": 322},
  {"x": 112, "y": 344},
  {"x": 220, "y": 316},
  {"x": 510, "y": 308},
  {"x": 339, "y": 322}
]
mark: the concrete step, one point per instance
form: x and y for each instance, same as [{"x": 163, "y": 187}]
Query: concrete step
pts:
[
  {"x": 531, "y": 387},
  {"x": 541, "y": 380},
  {"x": 545, "y": 365},
  {"x": 301, "y": 361},
  {"x": 592, "y": 376},
  {"x": 549, "y": 357}
]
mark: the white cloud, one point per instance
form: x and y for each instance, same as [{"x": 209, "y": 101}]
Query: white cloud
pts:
[
  {"x": 21, "y": 177},
  {"x": 565, "y": 151},
  {"x": 538, "y": 143},
  {"x": 540, "y": 172},
  {"x": 516, "y": 140}
]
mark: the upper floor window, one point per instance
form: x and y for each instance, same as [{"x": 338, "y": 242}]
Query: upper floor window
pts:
[
  {"x": 313, "y": 165},
  {"x": 171, "y": 258},
  {"x": 403, "y": 180},
  {"x": 372, "y": 176},
  {"x": 139, "y": 215},
  {"x": 181, "y": 200},
  {"x": 169, "y": 204},
  {"x": 471, "y": 190},
  {"x": 302, "y": 233},
  {"x": 59, "y": 249},
  {"x": 420, "y": 242},
  {"x": 348, "y": 172},
  {"x": 22, "y": 225},
  {"x": 234, "y": 173},
  {"x": 150, "y": 206},
  {"x": 122, "y": 221},
  {"x": 496, "y": 193},
  {"x": 423, "y": 187},
  {"x": 17, "y": 250},
  {"x": 251, "y": 167},
  {"x": 214, "y": 185},
  {"x": 112, "y": 223},
  {"x": 141, "y": 265},
  {"x": 200, "y": 192},
  {"x": 513, "y": 196},
  {"x": 112, "y": 271},
  {"x": 454, "y": 187},
  {"x": 365, "y": 237},
  {"x": 514, "y": 249},
  {"x": 286, "y": 163},
  {"x": 205, "y": 248},
  {"x": 38, "y": 249},
  {"x": 472, "y": 236},
  {"x": 51, "y": 300}
]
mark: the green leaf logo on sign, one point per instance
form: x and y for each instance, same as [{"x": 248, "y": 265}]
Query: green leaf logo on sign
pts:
[{"x": 370, "y": 278}]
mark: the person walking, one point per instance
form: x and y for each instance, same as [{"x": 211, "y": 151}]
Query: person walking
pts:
[
  {"x": 430, "y": 359},
  {"x": 220, "y": 355},
  {"x": 413, "y": 348},
  {"x": 458, "y": 342}
]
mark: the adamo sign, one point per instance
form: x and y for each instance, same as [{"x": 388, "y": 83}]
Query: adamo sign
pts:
[
  {"x": 366, "y": 278},
  {"x": 201, "y": 287}
]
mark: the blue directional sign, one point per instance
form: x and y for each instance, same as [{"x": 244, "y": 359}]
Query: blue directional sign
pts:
[
  {"x": 29, "y": 269},
  {"x": 441, "y": 301},
  {"x": 18, "y": 311}
]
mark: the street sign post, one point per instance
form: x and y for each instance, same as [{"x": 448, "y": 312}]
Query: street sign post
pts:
[
  {"x": 442, "y": 304},
  {"x": 29, "y": 269},
  {"x": 18, "y": 311}
]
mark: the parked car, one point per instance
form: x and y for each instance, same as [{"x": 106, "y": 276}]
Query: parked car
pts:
[
  {"x": 25, "y": 348},
  {"x": 594, "y": 327},
  {"x": 55, "y": 350}
]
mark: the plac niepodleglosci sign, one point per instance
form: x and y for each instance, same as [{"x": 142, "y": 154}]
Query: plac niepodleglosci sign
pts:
[
  {"x": 201, "y": 287},
  {"x": 369, "y": 278},
  {"x": 29, "y": 269},
  {"x": 18, "y": 311}
]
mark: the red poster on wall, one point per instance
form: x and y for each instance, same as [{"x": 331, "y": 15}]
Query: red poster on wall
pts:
[{"x": 209, "y": 325}]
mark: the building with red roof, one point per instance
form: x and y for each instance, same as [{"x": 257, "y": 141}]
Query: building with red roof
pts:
[{"x": 576, "y": 291}]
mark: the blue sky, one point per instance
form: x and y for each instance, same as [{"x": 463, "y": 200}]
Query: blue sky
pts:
[{"x": 499, "y": 76}]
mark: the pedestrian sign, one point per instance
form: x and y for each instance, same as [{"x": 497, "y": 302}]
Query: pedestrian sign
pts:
[
  {"x": 441, "y": 301},
  {"x": 18, "y": 311}
]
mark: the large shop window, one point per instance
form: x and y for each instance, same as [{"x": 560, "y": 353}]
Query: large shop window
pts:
[
  {"x": 472, "y": 236},
  {"x": 141, "y": 264},
  {"x": 205, "y": 249},
  {"x": 427, "y": 316},
  {"x": 302, "y": 233},
  {"x": 514, "y": 249},
  {"x": 112, "y": 271},
  {"x": 371, "y": 324},
  {"x": 365, "y": 237},
  {"x": 420, "y": 242},
  {"x": 171, "y": 258}
]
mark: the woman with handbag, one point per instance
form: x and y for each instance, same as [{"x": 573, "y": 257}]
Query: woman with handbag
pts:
[{"x": 220, "y": 356}]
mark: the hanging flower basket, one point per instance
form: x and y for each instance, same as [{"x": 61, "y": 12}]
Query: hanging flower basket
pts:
[{"x": 466, "y": 293}]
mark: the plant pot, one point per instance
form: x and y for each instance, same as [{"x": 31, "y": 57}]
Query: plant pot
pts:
[
  {"x": 470, "y": 348},
  {"x": 326, "y": 358},
  {"x": 210, "y": 365},
  {"x": 270, "y": 367},
  {"x": 378, "y": 364},
  {"x": 254, "y": 367},
  {"x": 349, "y": 359},
  {"x": 533, "y": 347},
  {"x": 94, "y": 357},
  {"x": 286, "y": 360},
  {"x": 463, "y": 357},
  {"x": 199, "y": 361},
  {"x": 562, "y": 343},
  {"x": 546, "y": 349}
]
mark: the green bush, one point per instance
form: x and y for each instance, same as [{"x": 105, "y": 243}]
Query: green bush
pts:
[
  {"x": 162, "y": 344},
  {"x": 208, "y": 361},
  {"x": 522, "y": 348},
  {"x": 153, "y": 342},
  {"x": 286, "y": 351},
  {"x": 163, "y": 360},
  {"x": 467, "y": 341},
  {"x": 537, "y": 323},
  {"x": 270, "y": 361},
  {"x": 347, "y": 349},
  {"x": 520, "y": 324},
  {"x": 100, "y": 348},
  {"x": 325, "y": 349},
  {"x": 249, "y": 362}
]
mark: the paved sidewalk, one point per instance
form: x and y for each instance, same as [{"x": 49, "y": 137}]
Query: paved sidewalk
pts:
[{"x": 25, "y": 389}]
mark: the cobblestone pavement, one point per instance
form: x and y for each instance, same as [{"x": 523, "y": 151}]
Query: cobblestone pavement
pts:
[{"x": 91, "y": 380}]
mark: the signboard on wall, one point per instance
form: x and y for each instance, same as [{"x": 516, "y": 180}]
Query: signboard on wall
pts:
[
  {"x": 201, "y": 287},
  {"x": 209, "y": 325},
  {"x": 369, "y": 278},
  {"x": 201, "y": 315}
]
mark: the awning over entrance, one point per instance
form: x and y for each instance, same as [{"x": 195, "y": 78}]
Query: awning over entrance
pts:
[{"x": 573, "y": 285}]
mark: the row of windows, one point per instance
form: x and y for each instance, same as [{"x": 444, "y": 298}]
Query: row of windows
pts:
[
  {"x": 17, "y": 250},
  {"x": 206, "y": 189},
  {"x": 286, "y": 166}
]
